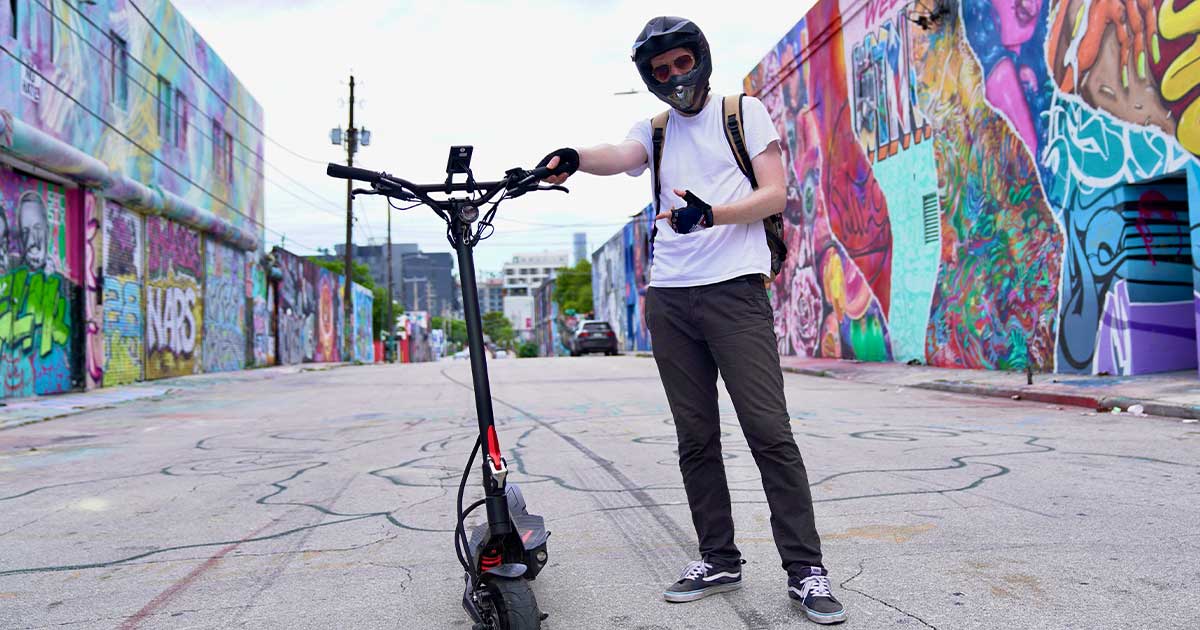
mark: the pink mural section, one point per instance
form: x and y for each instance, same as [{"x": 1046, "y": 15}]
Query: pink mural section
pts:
[{"x": 1000, "y": 188}]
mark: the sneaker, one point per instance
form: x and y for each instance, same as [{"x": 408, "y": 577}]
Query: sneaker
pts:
[
  {"x": 700, "y": 579},
  {"x": 810, "y": 590}
]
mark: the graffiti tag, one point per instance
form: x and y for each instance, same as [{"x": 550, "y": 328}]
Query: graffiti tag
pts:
[
  {"x": 31, "y": 303},
  {"x": 171, "y": 322}
]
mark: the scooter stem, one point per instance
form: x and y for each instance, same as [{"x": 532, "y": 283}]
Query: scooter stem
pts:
[{"x": 499, "y": 521}]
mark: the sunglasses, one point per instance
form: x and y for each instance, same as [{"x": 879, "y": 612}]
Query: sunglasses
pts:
[{"x": 682, "y": 63}]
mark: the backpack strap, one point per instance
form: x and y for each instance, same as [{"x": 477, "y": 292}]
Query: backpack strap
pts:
[
  {"x": 658, "y": 127},
  {"x": 734, "y": 135}
]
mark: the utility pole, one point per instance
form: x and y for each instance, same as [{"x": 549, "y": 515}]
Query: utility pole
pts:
[
  {"x": 347, "y": 306},
  {"x": 391, "y": 329}
]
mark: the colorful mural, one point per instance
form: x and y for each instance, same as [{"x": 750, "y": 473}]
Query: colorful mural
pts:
[
  {"x": 124, "y": 310},
  {"x": 174, "y": 299},
  {"x": 224, "y": 308},
  {"x": 1005, "y": 189},
  {"x": 39, "y": 314},
  {"x": 363, "y": 300},
  {"x": 552, "y": 327},
  {"x": 93, "y": 294},
  {"x": 174, "y": 120},
  {"x": 608, "y": 285},
  {"x": 620, "y": 275},
  {"x": 262, "y": 306},
  {"x": 309, "y": 311}
]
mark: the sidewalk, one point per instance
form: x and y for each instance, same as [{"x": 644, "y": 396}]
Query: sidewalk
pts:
[
  {"x": 20, "y": 411},
  {"x": 1172, "y": 394}
]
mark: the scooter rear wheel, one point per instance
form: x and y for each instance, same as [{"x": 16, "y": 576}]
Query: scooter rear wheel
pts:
[{"x": 516, "y": 606}]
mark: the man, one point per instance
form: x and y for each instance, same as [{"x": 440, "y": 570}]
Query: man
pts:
[
  {"x": 708, "y": 311},
  {"x": 32, "y": 229}
]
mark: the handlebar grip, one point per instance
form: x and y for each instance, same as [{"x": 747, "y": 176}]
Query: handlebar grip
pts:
[
  {"x": 568, "y": 162},
  {"x": 349, "y": 172}
]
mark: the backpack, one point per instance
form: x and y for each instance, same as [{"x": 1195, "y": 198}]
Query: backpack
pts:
[{"x": 735, "y": 136}]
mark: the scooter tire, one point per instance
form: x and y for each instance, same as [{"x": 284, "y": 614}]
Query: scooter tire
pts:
[{"x": 517, "y": 607}]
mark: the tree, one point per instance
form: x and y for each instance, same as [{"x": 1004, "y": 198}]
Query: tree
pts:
[
  {"x": 573, "y": 287},
  {"x": 458, "y": 329},
  {"x": 497, "y": 326},
  {"x": 458, "y": 332}
]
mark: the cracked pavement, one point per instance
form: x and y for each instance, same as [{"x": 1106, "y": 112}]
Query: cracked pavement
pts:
[{"x": 324, "y": 500}]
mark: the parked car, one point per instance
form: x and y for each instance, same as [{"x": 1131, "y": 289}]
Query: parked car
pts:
[{"x": 593, "y": 336}]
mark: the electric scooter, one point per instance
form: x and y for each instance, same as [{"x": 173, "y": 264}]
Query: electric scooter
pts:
[{"x": 508, "y": 550}]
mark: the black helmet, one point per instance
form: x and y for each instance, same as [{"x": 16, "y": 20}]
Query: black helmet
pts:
[{"x": 686, "y": 92}]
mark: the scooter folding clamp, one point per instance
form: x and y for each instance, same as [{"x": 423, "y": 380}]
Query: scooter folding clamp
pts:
[{"x": 499, "y": 473}]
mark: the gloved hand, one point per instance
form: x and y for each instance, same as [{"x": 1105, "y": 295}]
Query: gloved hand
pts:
[
  {"x": 565, "y": 161},
  {"x": 696, "y": 215}
]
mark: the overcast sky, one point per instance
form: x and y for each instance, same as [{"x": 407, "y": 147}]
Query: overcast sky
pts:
[{"x": 514, "y": 79}]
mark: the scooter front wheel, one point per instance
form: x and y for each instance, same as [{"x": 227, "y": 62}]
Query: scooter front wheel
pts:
[{"x": 516, "y": 606}]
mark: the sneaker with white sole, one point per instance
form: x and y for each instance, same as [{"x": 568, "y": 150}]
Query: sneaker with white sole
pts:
[
  {"x": 701, "y": 579},
  {"x": 810, "y": 590}
]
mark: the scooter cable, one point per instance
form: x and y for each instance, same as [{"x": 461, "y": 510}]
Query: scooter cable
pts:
[{"x": 460, "y": 536}]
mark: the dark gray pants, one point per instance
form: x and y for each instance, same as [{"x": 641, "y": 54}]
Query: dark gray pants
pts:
[{"x": 727, "y": 328}]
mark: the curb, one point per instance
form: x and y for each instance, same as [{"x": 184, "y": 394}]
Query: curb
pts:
[{"x": 1097, "y": 403}]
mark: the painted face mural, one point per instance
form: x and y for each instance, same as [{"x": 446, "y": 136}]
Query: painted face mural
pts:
[{"x": 33, "y": 229}]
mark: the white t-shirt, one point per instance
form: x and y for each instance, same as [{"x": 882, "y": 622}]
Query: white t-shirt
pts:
[{"x": 697, "y": 157}]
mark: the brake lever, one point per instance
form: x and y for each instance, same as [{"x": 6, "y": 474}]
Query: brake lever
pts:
[{"x": 363, "y": 191}]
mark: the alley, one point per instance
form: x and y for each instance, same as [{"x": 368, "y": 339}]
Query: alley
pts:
[{"x": 324, "y": 499}]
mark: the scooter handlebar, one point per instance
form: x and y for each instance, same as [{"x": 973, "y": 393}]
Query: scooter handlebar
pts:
[{"x": 349, "y": 172}]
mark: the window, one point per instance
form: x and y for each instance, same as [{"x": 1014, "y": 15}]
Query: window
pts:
[
  {"x": 228, "y": 158},
  {"x": 218, "y": 151},
  {"x": 120, "y": 69},
  {"x": 164, "y": 109},
  {"x": 181, "y": 119}
]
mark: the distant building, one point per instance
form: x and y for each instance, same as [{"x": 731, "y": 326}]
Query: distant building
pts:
[
  {"x": 375, "y": 258},
  {"x": 428, "y": 283},
  {"x": 491, "y": 294},
  {"x": 521, "y": 275},
  {"x": 581, "y": 248}
]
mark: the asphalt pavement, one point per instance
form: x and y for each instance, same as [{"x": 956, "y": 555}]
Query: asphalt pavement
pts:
[{"x": 324, "y": 499}]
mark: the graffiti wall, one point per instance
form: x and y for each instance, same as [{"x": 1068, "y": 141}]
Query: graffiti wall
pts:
[
  {"x": 608, "y": 285},
  {"x": 636, "y": 241},
  {"x": 364, "y": 349},
  {"x": 262, "y": 306},
  {"x": 1006, "y": 188},
  {"x": 40, "y": 340},
  {"x": 552, "y": 327},
  {"x": 224, "y": 308},
  {"x": 309, "y": 311},
  {"x": 124, "y": 306},
  {"x": 173, "y": 116},
  {"x": 174, "y": 299}
]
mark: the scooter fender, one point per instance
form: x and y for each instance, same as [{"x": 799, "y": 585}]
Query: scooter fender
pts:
[{"x": 512, "y": 570}]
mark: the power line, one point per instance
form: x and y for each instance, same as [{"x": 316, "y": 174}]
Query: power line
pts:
[
  {"x": 131, "y": 141},
  {"x": 204, "y": 80},
  {"x": 190, "y": 120}
]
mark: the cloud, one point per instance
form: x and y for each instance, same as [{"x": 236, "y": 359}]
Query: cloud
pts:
[{"x": 514, "y": 79}]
